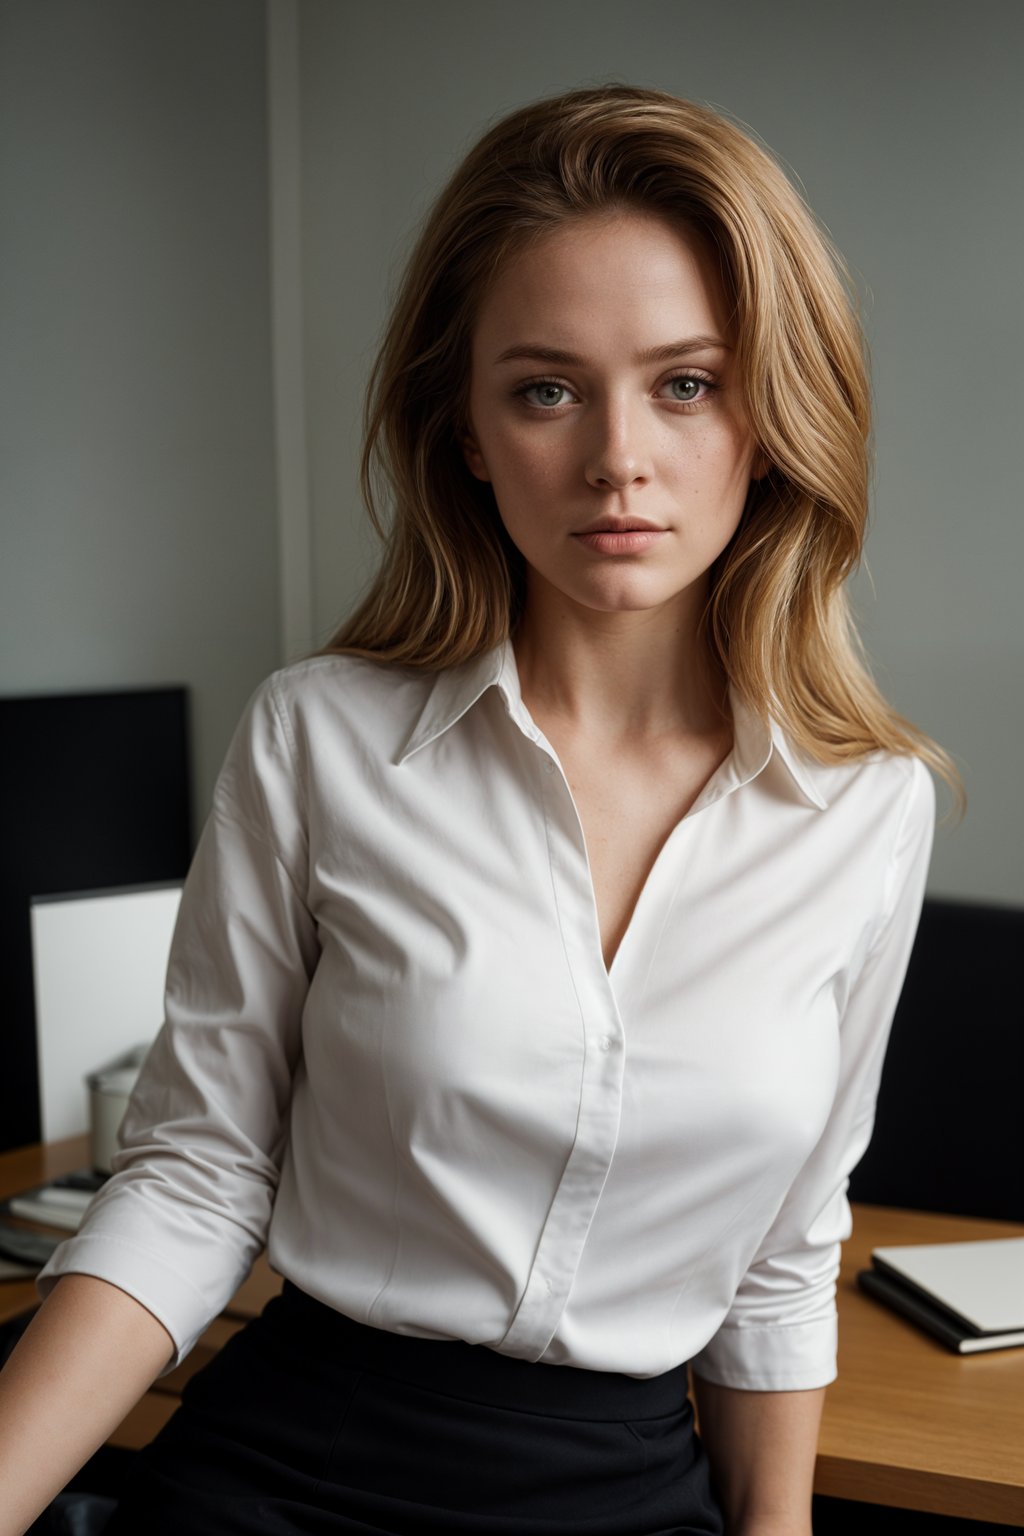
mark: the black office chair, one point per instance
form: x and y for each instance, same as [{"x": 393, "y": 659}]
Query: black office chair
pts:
[{"x": 949, "y": 1132}]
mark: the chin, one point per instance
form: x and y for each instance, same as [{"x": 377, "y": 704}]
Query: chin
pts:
[
  {"x": 614, "y": 589},
  {"x": 621, "y": 593}
]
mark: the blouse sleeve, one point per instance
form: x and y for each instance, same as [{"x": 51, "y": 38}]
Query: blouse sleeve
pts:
[
  {"x": 188, "y": 1206},
  {"x": 781, "y": 1331}
]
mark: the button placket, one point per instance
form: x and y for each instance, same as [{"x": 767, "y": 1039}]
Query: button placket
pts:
[{"x": 579, "y": 1190}]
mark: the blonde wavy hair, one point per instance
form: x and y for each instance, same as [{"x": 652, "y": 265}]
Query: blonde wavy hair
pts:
[{"x": 451, "y": 584}]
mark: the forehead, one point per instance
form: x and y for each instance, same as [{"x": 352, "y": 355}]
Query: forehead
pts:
[{"x": 604, "y": 279}]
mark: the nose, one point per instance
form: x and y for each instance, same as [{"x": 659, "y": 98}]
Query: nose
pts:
[{"x": 618, "y": 453}]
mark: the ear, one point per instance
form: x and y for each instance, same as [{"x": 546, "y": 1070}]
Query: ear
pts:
[{"x": 472, "y": 455}]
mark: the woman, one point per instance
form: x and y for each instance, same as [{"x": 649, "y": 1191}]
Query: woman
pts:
[{"x": 534, "y": 974}]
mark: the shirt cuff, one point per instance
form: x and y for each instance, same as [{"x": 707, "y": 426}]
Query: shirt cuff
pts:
[
  {"x": 173, "y": 1301},
  {"x": 794, "y": 1357}
]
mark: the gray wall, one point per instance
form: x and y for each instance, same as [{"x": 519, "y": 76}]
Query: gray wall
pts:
[
  {"x": 136, "y": 426},
  {"x": 905, "y": 122}
]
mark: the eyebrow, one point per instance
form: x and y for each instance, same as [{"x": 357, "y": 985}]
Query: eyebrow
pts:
[{"x": 532, "y": 351}]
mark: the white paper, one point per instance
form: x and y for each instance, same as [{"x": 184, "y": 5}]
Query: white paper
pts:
[
  {"x": 982, "y": 1281},
  {"x": 100, "y": 963}
]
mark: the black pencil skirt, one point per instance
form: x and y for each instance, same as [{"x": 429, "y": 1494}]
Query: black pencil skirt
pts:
[{"x": 307, "y": 1422}]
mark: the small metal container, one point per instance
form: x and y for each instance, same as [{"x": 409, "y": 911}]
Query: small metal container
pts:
[{"x": 110, "y": 1088}]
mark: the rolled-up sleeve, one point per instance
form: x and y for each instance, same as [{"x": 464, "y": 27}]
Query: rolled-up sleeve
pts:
[
  {"x": 781, "y": 1331},
  {"x": 188, "y": 1206}
]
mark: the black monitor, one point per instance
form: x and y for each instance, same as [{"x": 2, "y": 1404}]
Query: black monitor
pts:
[{"x": 94, "y": 793}]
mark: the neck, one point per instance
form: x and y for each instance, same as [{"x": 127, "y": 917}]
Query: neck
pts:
[{"x": 619, "y": 675}]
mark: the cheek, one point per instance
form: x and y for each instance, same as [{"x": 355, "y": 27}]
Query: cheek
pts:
[
  {"x": 718, "y": 468},
  {"x": 525, "y": 465}
]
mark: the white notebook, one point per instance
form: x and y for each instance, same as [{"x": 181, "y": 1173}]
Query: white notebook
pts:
[{"x": 982, "y": 1282}]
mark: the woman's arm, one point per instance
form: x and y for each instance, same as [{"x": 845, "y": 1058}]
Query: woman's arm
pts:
[
  {"x": 189, "y": 1204},
  {"x": 86, "y": 1358},
  {"x": 760, "y": 1381},
  {"x": 762, "y": 1447}
]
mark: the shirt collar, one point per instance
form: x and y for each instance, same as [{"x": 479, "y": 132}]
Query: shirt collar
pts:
[
  {"x": 454, "y": 690},
  {"x": 756, "y": 741}
]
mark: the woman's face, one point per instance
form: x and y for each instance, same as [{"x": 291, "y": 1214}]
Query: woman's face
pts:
[{"x": 605, "y": 413}]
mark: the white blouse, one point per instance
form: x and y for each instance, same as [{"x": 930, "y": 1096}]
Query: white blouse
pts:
[{"x": 393, "y": 1052}]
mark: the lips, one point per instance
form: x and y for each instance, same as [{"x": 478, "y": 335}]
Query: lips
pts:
[
  {"x": 619, "y": 525},
  {"x": 625, "y": 536}
]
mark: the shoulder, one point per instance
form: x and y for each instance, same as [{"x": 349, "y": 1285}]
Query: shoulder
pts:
[
  {"x": 884, "y": 807},
  {"x": 880, "y": 784},
  {"x": 318, "y": 703},
  {"x": 326, "y": 713},
  {"x": 332, "y": 679},
  {"x": 876, "y": 810}
]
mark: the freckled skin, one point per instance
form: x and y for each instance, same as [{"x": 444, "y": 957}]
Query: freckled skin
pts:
[{"x": 611, "y": 435}]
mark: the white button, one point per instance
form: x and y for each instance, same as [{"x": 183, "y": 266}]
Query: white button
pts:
[
  {"x": 606, "y": 1042},
  {"x": 549, "y": 766}
]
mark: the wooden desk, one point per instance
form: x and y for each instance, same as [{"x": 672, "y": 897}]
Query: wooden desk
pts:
[{"x": 908, "y": 1423}]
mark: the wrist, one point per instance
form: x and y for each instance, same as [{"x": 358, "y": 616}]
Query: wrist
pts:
[{"x": 757, "y": 1527}]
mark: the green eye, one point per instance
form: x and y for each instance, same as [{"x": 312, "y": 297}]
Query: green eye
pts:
[{"x": 686, "y": 388}]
